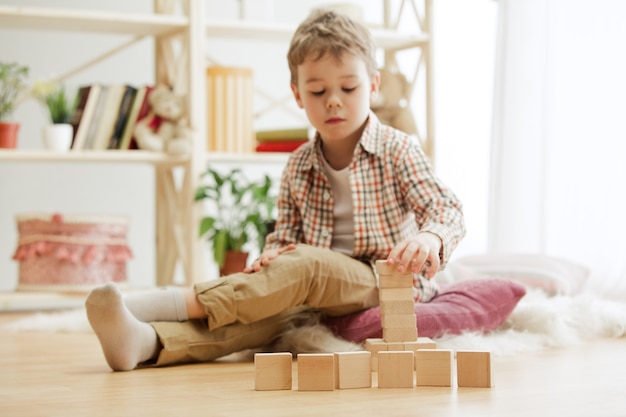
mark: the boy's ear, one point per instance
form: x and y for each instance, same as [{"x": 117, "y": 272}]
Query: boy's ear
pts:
[
  {"x": 296, "y": 95},
  {"x": 374, "y": 87}
]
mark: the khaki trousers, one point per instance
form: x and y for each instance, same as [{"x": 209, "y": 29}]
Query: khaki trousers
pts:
[{"x": 250, "y": 310}]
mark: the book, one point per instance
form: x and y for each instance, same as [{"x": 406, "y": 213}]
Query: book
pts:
[
  {"x": 83, "y": 115},
  {"x": 280, "y": 146},
  {"x": 95, "y": 120},
  {"x": 108, "y": 117},
  {"x": 137, "y": 103},
  {"x": 143, "y": 111},
  {"x": 284, "y": 134},
  {"x": 122, "y": 116},
  {"x": 77, "y": 114}
]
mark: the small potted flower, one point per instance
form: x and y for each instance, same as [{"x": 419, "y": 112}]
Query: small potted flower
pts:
[
  {"x": 57, "y": 136},
  {"x": 12, "y": 84}
]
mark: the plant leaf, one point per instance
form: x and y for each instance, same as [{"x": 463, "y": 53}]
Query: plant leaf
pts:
[{"x": 206, "y": 224}]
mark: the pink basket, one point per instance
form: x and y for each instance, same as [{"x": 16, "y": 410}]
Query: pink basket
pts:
[{"x": 70, "y": 252}]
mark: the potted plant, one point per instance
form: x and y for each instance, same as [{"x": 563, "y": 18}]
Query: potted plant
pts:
[
  {"x": 242, "y": 211},
  {"x": 12, "y": 83},
  {"x": 57, "y": 136}
]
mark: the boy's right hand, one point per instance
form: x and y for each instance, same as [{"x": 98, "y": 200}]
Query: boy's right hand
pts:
[{"x": 266, "y": 257}]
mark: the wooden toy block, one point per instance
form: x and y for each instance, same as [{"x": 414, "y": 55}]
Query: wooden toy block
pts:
[
  {"x": 394, "y": 307},
  {"x": 406, "y": 334},
  {"x": 395, "y": 294},
  {"x": 398, "y": 321},
  {"x": 474, "y": 369},
  {"x": 433, "y": 367},
  {"x": 395, "y": 369},
  {"x": 395, "y": 281},
  {"x": 395, "y": 346},
  {"x": 382, "y": 268},
  {"x": 374, "y": 364},
  {"x": 374, "y": 346},
  {"x": 421, "y": 343},
  {"x": 273, "y": 371},
  {"x": 353, "y": 370},
  {"x": 316, "y": 372}
]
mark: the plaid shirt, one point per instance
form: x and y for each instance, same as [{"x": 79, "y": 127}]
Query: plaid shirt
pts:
[{"x": 395, "y": 194}]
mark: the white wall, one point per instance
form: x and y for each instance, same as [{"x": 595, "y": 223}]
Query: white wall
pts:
[{"x": 464, "y": 33}]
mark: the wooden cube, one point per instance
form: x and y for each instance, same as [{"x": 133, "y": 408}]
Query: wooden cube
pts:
[
  {"x": 407, "y": 334},
  {"x": 395, "y": 281},
  {"x": 395, "y": 346},
  {"x": 273, "y": 371},
  {"x": 353, "y": 370},
  {"x": 421, "y": 343},
  {"x": 398, "y": 321},
  {"x": 383, "y": 268},
  {"x": 394, "y": 307},
  {"x": 433, "y": 367},
  {"x": 395, "y": 294},
  {"x": 374, "y": 346},
  {"x": 316, "y": 372},
  {"x": 395, "y": 369},
  {"x": 474, "y": 369}
]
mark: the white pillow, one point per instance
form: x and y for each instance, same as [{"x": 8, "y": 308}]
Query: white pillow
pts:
[{"x": 550, "y": 274}]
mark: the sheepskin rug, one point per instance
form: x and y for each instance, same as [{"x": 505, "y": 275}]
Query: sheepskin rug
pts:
[{"x": 538, "y": 322}]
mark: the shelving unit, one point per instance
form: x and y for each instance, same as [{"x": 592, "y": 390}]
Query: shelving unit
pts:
[{"x": 180, "y": 30}]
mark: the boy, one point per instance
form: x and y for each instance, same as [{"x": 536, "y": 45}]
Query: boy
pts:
[{"x": 359, "y": 192}]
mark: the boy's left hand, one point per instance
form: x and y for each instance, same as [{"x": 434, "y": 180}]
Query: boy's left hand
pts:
[{"x": 419, "y": 254}]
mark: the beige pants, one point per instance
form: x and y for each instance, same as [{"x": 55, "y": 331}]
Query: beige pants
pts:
[{"x": 249, "y": 310}]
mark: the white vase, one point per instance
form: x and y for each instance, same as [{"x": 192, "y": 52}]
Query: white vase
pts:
[{"x": 58, "y": 137}]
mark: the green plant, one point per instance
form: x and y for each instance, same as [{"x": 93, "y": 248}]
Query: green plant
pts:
[
  {"x": 242, "y": 210},
  {"x": 52, "y": 93},
  {"x": 12, "y": 82}
]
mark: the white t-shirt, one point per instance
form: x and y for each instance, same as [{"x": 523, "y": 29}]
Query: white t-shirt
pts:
[{"x": 343, "y": 232}]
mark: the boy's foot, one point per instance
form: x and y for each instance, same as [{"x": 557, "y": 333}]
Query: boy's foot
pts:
[{"x": 126, "y": 341}]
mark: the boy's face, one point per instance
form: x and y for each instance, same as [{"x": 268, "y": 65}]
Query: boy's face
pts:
[{"x": 336, "y": 95}]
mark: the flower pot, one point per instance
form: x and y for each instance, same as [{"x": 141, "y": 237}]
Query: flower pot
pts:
[
  {"x": 234, "y": 262},
  {"x": 58, "y": 137},
  {"x": 8, "y": 135}
]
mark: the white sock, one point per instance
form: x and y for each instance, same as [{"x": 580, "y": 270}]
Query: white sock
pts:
[
  {"x": 161, "y": 304},
  {"x": 126, "y": 341}
]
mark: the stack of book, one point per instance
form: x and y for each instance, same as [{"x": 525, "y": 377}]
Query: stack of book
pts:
[
  {"x": 106, "y": 115},
  {"x": 282, "y": 140}
]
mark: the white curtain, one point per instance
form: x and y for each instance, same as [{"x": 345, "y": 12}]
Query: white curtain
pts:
[{"x": 558, "y": 176}]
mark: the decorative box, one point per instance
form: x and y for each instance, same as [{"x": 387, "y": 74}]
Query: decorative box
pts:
[{"x": 70, "y": 252}]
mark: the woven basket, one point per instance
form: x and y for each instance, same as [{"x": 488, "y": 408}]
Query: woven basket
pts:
[{"x": 69, "y": 252}]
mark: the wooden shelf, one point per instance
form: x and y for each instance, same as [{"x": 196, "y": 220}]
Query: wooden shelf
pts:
[
  {"x": 148, "y": 157},
  {"x": 37, "y": 18},
  {"x": 132, "y": 157},
  {"x": 252, "y": 157},
  {"x": 271, "y": 31}
]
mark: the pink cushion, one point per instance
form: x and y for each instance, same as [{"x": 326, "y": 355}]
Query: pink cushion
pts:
[{"x": 479, "y": 305}]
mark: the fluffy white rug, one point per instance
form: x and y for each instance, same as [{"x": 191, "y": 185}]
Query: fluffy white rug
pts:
[{"x": 538, "y": 322}]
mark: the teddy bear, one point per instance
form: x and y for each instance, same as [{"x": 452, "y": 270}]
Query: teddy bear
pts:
[
  {"x": 391, "y": 104},
  {"x": 164, "y": 129}
]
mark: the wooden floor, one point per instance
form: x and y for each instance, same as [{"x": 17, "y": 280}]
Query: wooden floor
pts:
[{"x": 56, "y": 374}]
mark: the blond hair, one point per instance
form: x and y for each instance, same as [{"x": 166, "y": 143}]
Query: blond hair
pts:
[{"x": 326, "y": 32}]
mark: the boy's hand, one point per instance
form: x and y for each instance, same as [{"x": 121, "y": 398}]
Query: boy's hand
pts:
[
  {"x": 419, "y": 254},
  {"x": 266, "y": 257}
]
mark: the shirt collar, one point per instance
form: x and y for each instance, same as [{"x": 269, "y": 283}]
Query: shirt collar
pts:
[{"x": 370, "y": 142}]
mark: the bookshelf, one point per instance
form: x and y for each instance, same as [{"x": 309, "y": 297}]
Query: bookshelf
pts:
[{"x": 180, "y": 30}]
